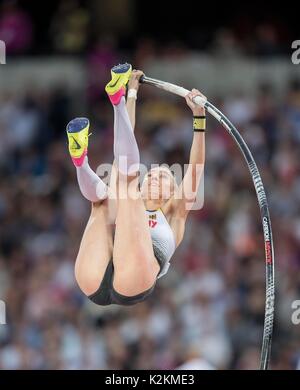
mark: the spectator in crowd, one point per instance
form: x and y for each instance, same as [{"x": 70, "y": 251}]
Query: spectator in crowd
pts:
[{"x": 16, "y": 28}]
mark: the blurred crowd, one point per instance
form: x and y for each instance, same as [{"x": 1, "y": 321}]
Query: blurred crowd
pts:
[
  {"x": 208, "y": 311},
  {"x": 71, "y": 27}
]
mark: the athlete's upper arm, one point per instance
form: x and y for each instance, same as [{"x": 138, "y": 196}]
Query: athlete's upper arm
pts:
[{"x": 186, "y": 193}]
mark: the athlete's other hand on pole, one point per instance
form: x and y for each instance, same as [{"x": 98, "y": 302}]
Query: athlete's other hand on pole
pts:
[
  {"x": 134, "y": 81},
  {"x": 196, "y": 109}
]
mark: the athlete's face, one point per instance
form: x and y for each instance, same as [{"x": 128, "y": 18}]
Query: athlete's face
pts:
[{"x": 158, "y": 184}]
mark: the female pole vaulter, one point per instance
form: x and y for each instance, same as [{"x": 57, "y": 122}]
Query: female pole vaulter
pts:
[{"x": 121, "y": 265}]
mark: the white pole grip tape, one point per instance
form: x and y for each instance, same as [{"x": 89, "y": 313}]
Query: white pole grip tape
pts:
[{"x": 181, "y": 92}]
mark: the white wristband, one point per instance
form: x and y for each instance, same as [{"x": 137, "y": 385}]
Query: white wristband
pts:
[{"x": 132, "y": 93}]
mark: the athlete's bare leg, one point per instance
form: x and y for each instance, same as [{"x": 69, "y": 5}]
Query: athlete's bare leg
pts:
[
  {"x": 95, "y": 249},
  {"x": 135, "y": 267}
]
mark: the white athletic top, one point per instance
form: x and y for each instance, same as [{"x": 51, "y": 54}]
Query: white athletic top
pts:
[{"x": 163, "y": 239}]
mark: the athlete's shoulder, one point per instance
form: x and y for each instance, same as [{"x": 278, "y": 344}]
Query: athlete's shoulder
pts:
[{"x": 172, "y": 210}]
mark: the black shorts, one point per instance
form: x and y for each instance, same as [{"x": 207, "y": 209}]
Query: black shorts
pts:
[{"x": 107, "y": 295}]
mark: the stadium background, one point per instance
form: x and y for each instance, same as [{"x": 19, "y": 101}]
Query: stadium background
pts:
[{"x": 210, "y": 307}]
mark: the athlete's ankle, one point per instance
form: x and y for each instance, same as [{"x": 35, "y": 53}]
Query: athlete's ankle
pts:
[{"x": 79, "y": 161}]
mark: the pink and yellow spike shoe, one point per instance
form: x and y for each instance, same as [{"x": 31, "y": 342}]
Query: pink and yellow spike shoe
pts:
[
  {"x": 116, "y": 88},
  {"x": 78, "y": 137}
]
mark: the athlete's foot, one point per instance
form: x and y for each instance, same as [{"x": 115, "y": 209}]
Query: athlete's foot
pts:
[
  {"x": 116, "y": 88},
  {"x": 78, "y": 137}
]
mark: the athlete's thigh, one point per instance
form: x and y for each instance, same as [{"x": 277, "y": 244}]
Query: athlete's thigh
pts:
[
  {"x": 133, "y": 257},
  {"x": 95, "y": 250}
]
